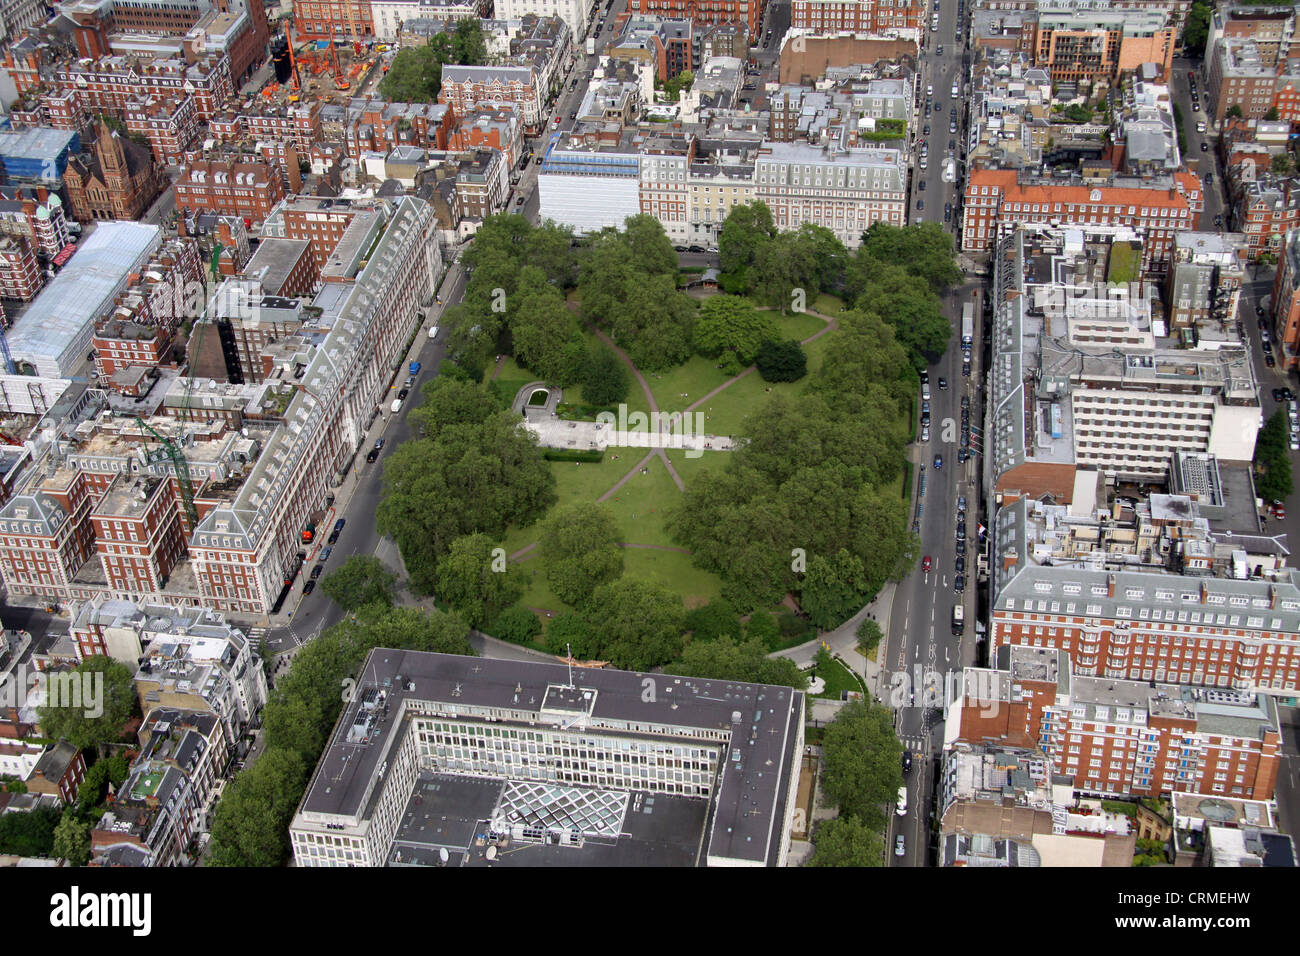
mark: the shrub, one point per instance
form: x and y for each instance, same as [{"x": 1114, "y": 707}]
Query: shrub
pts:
[{"x": 516, "y": 624}]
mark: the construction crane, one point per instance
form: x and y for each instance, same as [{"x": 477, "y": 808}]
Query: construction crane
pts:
[
  {"x": 179, "y": 464},
  {"x": 10, "y": 439}
]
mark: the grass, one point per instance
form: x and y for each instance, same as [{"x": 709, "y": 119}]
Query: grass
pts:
[
  {"x": 838, "y": 678},
  {"x": 688, "y": 468},
  {"x": 1124, "y": 264},
  {"x": 640, "y": 505}
]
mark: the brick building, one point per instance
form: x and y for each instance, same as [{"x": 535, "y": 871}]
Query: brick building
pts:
[
  {"x": 333, "y": 19},
  {"x": 748, "y": 12},
  {"x": 998, "y": 199},
  {"x": 468, "y": 88},
  {"x": 1113, "y": 737},
  {"x": 879, "y": 17},
  {"x": 245, "y": 187},
  {"x": 117, "y": 179},
  {"x": 20, "y": 274},
  {"x": 171, "y": 124}
]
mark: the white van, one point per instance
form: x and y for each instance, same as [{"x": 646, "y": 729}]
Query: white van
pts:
[
  {"x": 433, "y": 331},
  {"x": 925, "y": 391},
  {"x": 396, "y": 406},
  {"x": 901, "y": 809},
  {"x": 954, "y": 89},
  {"x": 929, "y": 91}
]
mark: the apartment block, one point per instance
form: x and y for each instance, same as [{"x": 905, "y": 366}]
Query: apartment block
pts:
[
  {"x": 1266, "y": 211},
  {"x": 999, "y": 200},
  {"x": 469, "y": 88},
  {"x": 1147, "y": 592},
  {"x": 1005, "y": 806},
  {"x": 490, "y": 128},
  {"x": 1082, "y": 376},
  {"x": 1084, "y": 42},
  {"x": 1286, "y": 301},
  {"x": 578, "y": 15},
  {"x": 1203, "y": 286},
  {"x": 20, "y": 274},
  {"x": 247, "y": 188},
  {"x": 664, "y": 190},
  {"x": 747, "y": 12},
  {"x": 880, "y": 17},
  {"x": 502, "y": 741},
  {"x": 171, "y": 126},
  {"x": 333, "y": 19},
  {"x": 846, "y": 190},
  {"x": 37, "y": 215},
  {"x": 1114, "y": 737}
]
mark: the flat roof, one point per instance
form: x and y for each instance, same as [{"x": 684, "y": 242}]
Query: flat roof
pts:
[
  {"x": 759, "y": 725},
  {"x": 65, "y": 311}
]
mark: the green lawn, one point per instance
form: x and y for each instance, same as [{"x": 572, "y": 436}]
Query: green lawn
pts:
[
  {"x": 696, "y": 378},
  {"x": 688, "y": 468},
  {"x": 639, "y": 506},
  {"x": 674, "y": 571},
  {"x": 838, "y": 678},
  {"x": 726, "y": 412}
]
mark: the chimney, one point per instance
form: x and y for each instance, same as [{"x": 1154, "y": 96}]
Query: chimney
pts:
[
  {"x": 1009, "y": 560},
  {"x": 1204, "y": 592},
  {"x": 1110, "y": 585}
]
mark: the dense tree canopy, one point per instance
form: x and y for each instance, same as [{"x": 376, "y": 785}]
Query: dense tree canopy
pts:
[
  {"x": 415, "y": 75},
  {"x": 863, "y": 762},
  {"x": 726, "y": 659},
  {"x": 846, "y": 841},
  {"x": 579, "y": 548},
  {"x": 1273, "y": 478},
  {"x": 361, "y": 579},
  {"x": 77, "y": 721},
  {"x": 475, "y": 580},
  {"x": 636, "y": 624},
  {"x": 730, "y": 323},
  {"x": 468, "y": 478}
]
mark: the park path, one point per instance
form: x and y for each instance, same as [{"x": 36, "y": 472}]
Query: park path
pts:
[
  {"x": 654, "y": 410},
  {"x": 496, "y": 369}
]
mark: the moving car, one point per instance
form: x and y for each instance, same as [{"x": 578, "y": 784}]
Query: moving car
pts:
[
  {"x": 1205, "y": 147},
  {"x": 938, "y": 462},
  {"x": 943, "y": 382},
  {"x": 907, "y": 761},
  {"x": 900, "y": 848},
  {"x": 926, "y": 563},
  {"x": 372, "y": 455},
  {"x": 901, "y": 809}
]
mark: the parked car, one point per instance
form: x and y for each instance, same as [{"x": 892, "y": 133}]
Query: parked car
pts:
[
  {"x": 309, "y": 587},
  {"x": 325, "y": 555},
  {"x": 900, "y": 848},
  {"x": 1205, "y": 147},
  {"x": 920, "y": 204},
  {"x": 961, "y": 503},
  {"x": 372, "y": 455},
  {"x": 959, "y": 585},
  {"x": 316, "y": 571},
  {"x": 961, "y": 564},
  {"x": 907, "y": 761}
]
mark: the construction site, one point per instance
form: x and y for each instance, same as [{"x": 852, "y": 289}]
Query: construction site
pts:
[{"x": 322, "y": 71}]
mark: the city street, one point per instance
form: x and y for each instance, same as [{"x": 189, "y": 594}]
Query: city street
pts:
[{"x": 920, "y": 639}]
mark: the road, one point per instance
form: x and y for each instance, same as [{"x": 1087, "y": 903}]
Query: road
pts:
[
  {"x": 921, "y": 647},
  {"x": 1200, "y": 160},
  {"x": 360, "y": 493}
]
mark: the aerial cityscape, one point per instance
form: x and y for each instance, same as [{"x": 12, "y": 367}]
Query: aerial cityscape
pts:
[{"x": 649, "y": 433}]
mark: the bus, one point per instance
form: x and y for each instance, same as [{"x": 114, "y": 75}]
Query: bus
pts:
[
  {"x": 64, "y": 254},
  {"x": 968, "y": 323}
]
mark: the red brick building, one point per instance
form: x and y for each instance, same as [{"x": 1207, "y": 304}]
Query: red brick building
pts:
[
  {"x": 1122, "y": 737},
  {"x": 117, "y": 179},
  {"x": 328, "y": 19},
  {"x": 247, "y": 187},
  {"x": 20, "y": 273},
  {"x": 171, "y": 124},
  {"x": 858, "y": 16},
  {"x": 998, "y": 197},
  {"x": 748, "y": 12}
]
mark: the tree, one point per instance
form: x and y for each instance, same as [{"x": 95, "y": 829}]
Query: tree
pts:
[
  {"x": 516, "y": 624},
  {"x": 925, "y": 250},
  {"x": 846, "y": 841},
  {"x": 475, "y": 579},
  {"x": 1234, "y": 111},
  {"x": 547, "y": 339},
  {"x": 251, "y": 824},
  {"x": 569, "y": 633},
  {"x": 414, "y": 76},
  {"x": 637, "y": 624},
  {"x": 1282, "y": 164},
  {"x": 94, "y": 786},
  {"x": 784, "y": 269},
  {"x": 655, "y": 323},
  {"x": 713, "y": 620},
  {"x": 579, "y": 548},
  {"x": 728, "y": 659},
  {"x": 451, "y": 401},
  {"x": 361, "y": 579},
  {"x": 746, "y": 228},
  {"x": 906, "y": 302},
  {"x": 1272, "y": 115},
  {"x": 468, "y": 479},
  {"x": 869, "y": 636},
  {"x": 834, "y": 588},
  {"x": 828, "y": 255},
  {"x": 1196, "y": 29},
  {"x": 1272, "y": 462},
  {"x": 649, "y": 246},
  {"x": 781, "y": 361},
  {"x": 467, "y": 43},
  {"x": 30, "y": 833},
  {"x": 72, "y": 840},
  {"x": 762, "y": 627},
  {"x": 675, "y": 85},
  {"x": 731, "y": 323},
  {"x": 605, "y": 381},
  {"x": 82, "y": 723},
  {"x": 863, "y": 762}
]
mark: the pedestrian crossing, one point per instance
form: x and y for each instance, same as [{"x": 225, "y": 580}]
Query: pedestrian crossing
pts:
[{"x": 915, "y": 744}]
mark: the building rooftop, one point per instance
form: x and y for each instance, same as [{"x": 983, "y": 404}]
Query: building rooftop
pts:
[{"x": 761, "y": 723}]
